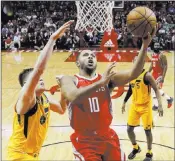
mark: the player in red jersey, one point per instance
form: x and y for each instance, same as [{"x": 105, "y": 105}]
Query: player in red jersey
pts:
[
  {"x": 159, "y": 67},
  {"x": 90, "y": 105}
]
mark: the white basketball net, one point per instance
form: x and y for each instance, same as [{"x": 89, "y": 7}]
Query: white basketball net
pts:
[{"x": 94, "y": 15}]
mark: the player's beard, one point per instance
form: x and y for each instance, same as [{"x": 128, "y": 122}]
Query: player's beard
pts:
[{"x": 90, "y": 71}]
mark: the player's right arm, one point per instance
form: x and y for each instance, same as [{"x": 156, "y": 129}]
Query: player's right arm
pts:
[
  {"x": 149, "y": 78},
  {"x": 151, "y": 67},
  {"x": 164, "y": 64},
  {"x": 123, "y": 77},
  {"x": 27, "y": 96},
  {"x": 128, "y": 95},
  {"x": 74, "y": 94},
  {"x": 58, "y": 106}
]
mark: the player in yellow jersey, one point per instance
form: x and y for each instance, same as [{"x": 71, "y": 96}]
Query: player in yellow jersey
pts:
[
  {"x": 32, "y": 109},
  {"x": 141, "y": 107}
]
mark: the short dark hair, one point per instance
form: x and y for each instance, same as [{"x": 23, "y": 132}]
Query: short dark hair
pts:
[{"x": 23, "y": 75}]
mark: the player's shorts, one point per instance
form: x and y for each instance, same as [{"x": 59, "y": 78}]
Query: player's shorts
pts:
[
  {"x": 17, "y": 156},
  {"x": 141, "y": 111},
  {"x": 158, "y": 78},
  {"x": 97, "y": 146}
]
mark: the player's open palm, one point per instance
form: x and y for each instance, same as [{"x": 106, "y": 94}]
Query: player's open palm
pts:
[
  {"x": 108, "y": 74},
  {"x": 59, "y": 33},
  {"x": 160, "y": 111},
  {"x": 148, "y": 39}
]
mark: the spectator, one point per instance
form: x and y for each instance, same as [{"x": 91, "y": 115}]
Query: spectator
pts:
[
  {"x": 31, "y": 40},
  {"x": 3, "y": 38},
  {"x": 76, "y": 41},
  {"x": 162, "y": 42},
  {"x": 8, "y": 43},
  {"x": 24, "y": 39},
  {"x": 38, "y": 41},
  {"x": 10, "y": 24},
  {"x": 120, "y": 38},
  {"x": 17, "y": 40},
  {"x": 95, "y": 37},
  {"x": 4, "y": 31},
  {"x": 168, "y": 42},
  {"x": 44, "y": 16},
  {"x": 24, "y": 29}
]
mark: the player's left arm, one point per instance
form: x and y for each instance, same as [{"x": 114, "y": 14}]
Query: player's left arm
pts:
[
  {"x": 149, "y": 78},
  {"x": 128, "y": 95},
  {"x": 164, "y": 64},
  {"x": 151, "y": 67},
  {"x": 60, "y": 106},
  {"x": 123, "y": 77}
]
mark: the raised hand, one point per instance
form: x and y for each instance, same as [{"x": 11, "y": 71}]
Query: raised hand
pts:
[
  {"x": 59, "y": 33},
  {"x": 147, "y": 40}
]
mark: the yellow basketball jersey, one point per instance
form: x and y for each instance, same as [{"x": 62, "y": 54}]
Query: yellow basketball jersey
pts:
[
  {"x": 29, "y": 130},
  {"x": 141, "y": 93}
]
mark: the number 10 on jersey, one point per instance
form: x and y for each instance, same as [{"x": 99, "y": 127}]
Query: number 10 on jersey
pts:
[{"x": 94, "y": 105}]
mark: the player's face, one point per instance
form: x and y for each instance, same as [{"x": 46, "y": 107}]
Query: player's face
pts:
[
  {"x": 87, "y": 60},
  {"x": 156, "y": 48},
  {"x": 40, "y": 86}
]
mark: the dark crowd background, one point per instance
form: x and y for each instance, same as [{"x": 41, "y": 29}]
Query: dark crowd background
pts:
[{"x": 30, "y": 23}]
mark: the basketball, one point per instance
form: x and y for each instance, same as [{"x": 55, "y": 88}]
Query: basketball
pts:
[{"x": 140, "y": 21}]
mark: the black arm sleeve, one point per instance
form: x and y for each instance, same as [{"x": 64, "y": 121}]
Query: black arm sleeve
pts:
[{"x": 128, "y": 95}]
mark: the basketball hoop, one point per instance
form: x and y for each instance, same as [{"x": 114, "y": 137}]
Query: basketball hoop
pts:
[{"x": 94, "y": 15}]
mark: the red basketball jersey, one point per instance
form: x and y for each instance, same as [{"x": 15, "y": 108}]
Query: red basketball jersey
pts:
[
  {"x": 94, "y": 112},
  {"x": 156, "y": 63}
]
